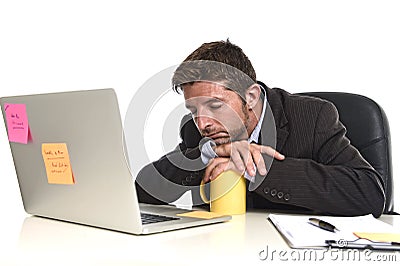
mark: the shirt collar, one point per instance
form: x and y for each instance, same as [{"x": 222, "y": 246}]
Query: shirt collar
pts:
[{"x": 256, "y": 132}]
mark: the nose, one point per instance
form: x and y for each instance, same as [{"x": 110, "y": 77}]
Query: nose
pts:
[{"x": 203, "y": 122}]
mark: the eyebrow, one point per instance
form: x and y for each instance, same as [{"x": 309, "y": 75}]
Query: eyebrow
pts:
[{"x": 213, "y": 99}]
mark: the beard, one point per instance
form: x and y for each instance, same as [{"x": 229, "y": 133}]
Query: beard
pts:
[
  {"x": 234, "y": 135},
  {"x": 230, "y": 135}
]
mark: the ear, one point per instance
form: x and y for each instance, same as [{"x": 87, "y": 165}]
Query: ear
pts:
[{"x": 253, "y": 95}]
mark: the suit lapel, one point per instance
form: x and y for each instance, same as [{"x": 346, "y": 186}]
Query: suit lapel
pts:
[
  {"x": 274, "y": 118},
  {"x": 282, "y": 135}
]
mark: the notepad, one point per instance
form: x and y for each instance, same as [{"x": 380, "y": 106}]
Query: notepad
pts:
[{"x": 299, "y": 233}]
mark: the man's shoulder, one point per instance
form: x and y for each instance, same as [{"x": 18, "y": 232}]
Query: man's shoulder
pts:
[
  {"x": 279, "y": 98},
  {"x": 298, "y": 109},
  {"x": 299, "y": 98}
]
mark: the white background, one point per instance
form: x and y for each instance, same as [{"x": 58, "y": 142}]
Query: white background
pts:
[{"x": 50, "y": 46}]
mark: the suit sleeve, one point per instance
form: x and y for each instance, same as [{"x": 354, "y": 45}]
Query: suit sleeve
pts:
[
  {"x": 175, "y": 173},
  {"x": 336, "y": 181}
]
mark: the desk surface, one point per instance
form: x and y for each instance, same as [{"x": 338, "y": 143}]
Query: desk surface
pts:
[{"x": 249, "y": 239}]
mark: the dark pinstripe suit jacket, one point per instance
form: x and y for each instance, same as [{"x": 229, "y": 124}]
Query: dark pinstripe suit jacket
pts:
[{"x": 322, "y": 172}]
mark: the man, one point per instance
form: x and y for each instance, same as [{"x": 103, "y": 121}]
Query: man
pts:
[{"x": 292, "y": 149}]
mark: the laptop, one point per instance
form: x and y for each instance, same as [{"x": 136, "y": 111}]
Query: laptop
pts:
[{"x": 97, "y": 187}]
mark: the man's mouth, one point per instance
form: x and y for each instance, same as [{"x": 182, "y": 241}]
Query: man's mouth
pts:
[{"x": 217, "y": 135}]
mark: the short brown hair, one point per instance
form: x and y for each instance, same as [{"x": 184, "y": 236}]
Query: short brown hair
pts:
[{"x": 219, "y": 61}]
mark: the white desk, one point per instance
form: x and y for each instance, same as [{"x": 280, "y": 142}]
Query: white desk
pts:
[{"x": 243, "y": 241}]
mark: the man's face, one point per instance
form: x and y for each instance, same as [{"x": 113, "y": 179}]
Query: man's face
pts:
[{"x": 219, "y": 113}]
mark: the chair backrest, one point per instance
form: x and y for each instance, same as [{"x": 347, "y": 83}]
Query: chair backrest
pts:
[{"x": 368, "y": 130}]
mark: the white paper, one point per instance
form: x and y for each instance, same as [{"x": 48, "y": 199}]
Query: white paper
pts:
[{"x": 300, "y": 233}]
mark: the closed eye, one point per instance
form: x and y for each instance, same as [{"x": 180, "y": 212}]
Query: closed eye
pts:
[{"x": 215, "y": 105}]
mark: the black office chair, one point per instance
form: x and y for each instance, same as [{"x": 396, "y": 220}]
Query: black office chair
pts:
[{"x": 368, "y": 130}]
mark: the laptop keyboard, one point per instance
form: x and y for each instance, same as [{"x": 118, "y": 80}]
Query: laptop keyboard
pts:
[{"x": 148, "y": 218}]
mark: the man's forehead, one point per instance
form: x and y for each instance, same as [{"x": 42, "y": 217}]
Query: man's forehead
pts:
[{"x": 205, "y": 89}]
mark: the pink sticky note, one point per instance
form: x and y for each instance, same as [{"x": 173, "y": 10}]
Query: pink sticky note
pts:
[{"x": 17, "y": 123}]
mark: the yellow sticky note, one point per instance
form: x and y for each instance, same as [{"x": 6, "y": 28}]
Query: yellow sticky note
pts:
[
  {"x": 200, "y": 214},
  {"x": 379, "y": 237},
  {"x": 57, "y": 163}
]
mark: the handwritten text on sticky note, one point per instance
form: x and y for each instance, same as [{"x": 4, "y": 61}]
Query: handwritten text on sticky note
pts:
[
  {"x": 17, "y": 123},
  {"x": 57, "y": 163}
]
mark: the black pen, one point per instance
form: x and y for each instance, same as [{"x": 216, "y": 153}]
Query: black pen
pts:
[{"x": 323, "y": 225}]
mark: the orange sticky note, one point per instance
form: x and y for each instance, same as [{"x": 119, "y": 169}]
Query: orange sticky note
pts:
[
  {"x": 379, "y": 237},
  {"x": 200, "y": 214},
  {"x": 57, "y": 163},
  {"x": 17, "y": 123}
]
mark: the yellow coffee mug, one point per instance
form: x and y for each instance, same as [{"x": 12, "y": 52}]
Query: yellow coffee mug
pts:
[{"x": 227, "y": 194}]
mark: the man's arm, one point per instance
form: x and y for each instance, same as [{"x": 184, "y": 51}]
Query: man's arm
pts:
[
  {"x": 337, "y": 180},
  {"x": 168, "y": 178}
]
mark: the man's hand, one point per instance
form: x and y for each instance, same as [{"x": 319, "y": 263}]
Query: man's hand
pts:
[{"x": 239, "y": 156}]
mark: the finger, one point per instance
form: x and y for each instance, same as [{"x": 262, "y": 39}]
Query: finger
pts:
[
  {"x": 279, "y": 156},
  {"x": 250, "y": 166},
  {"x": 208, "y": 170},
  {"x": 218, "y": 169},
  {"x": 246, "y": 157},
  {"x": 223, "y": 150},
  {"x": 238, "y": 160},
  {"x": 272, "y": 152},
  {"x": 222, "y": 167},
  {"x": 259, "y": 161}
]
